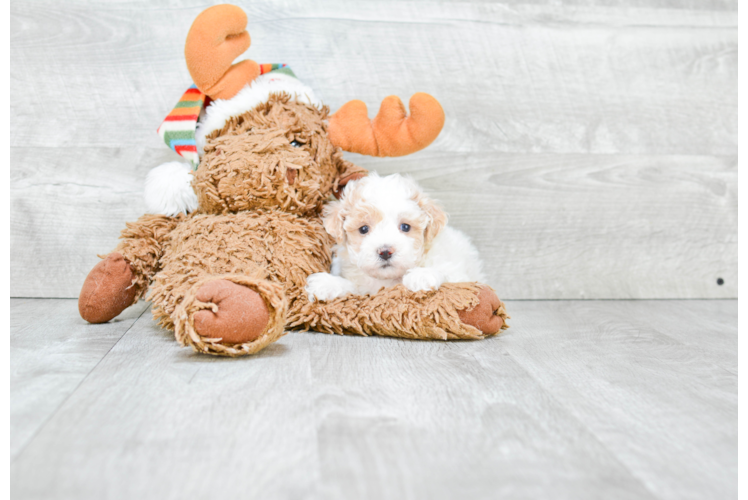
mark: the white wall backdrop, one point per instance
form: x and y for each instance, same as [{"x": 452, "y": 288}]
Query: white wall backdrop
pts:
[{"x": 590, "y": 147}]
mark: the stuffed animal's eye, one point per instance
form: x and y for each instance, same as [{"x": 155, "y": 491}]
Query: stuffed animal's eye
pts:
[
  {"x": 404, "y": 227},
  {"x": 296, "y": 143},
  {"x": 363, "y": 229}
]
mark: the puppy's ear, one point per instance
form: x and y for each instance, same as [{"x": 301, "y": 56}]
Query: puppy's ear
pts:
[
  {"x": 347, "y": 172},
  {"x": 333, "y": 217},
  {"x": 437, "y": 219}
]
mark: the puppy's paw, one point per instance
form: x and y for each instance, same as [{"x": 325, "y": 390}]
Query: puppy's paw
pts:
[
  {"x": 423, "y": 278},
  {"x": 325, "y": 286}
]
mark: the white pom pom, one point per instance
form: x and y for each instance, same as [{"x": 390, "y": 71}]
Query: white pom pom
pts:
[{"x": 168, "y": 189}]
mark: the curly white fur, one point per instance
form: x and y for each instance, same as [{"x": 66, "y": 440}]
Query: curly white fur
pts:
[{"x": 404, "y": 240}]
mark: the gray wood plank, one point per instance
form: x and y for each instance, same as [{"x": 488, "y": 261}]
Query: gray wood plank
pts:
[
  {"x": 51, "y": 351},
  {"x": 600, "y": 77},
  {"x": 548, "y": 226},
  {"x": 590, "y": 226},
  {"x": 649, "y": 394},
  {"x": 158, "y": 421},
  {"x": 63, "y": 215},
  {"x": 714, "y": 341},
  {"x": 579, "y": 399},
  {"x": 743, "y": 393},
  {"x": 429, "y": 420}
]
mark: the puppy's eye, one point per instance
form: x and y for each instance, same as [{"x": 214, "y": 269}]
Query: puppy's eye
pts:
[
  {"x": 363, "y": 229},
  {"x": 296, "y": 143},
  {"x": 404, "y": 227}
]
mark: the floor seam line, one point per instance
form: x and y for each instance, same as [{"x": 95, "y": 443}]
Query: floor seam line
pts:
[
  {"x": 571, "y": 414},
  {"x": 51, "y": 416},
  {"x": 658, "y": 329}
]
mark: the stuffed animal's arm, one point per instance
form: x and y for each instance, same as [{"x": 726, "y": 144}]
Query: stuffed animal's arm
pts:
[
  {"x": 142, "y": 246},
  {"x": 454, "y": 311},
  {"x": 123, "y": 276}
]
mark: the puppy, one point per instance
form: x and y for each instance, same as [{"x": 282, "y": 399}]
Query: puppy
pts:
[{"x": 389, "y": 232}]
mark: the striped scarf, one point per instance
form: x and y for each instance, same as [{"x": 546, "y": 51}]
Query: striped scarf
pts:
[{"x": 178, "y": 128}]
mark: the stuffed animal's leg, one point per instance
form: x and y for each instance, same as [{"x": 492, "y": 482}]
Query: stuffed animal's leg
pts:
[
  {"x": 455, "y": 311},
  {"x": 228, "y": 315},
  {"x": 123, "y": 276}
]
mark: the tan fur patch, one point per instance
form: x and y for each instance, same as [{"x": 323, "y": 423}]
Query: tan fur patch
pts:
[
  {"x": 437, "y": 218},
  {"x": 418, "y": 226},
  {"x": 356, "y": 217}
]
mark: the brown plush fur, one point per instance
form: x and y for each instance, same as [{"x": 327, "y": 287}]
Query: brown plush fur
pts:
[
  {"x": 259, "y": 226},
  {"x": 398, "y": 312},
  {"x": 246, "y": 163},
  {"x": 142, "y": 245}
]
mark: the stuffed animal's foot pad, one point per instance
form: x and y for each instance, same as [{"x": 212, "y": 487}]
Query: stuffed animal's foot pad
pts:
[
  {"x": 241, "y": 314},
  {"x": 108, "y": 290},
  {"x": 488, "y": 316}
]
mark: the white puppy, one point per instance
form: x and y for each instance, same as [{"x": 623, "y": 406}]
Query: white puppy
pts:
[{"x": 388, "y": 232}]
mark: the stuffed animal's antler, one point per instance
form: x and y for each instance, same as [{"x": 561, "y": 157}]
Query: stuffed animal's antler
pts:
[
  {"x": 391, "y": 132},
  {"x": 217, "y": 37}
]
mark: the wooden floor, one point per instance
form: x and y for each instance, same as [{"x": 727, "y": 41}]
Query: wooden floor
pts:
[{"x": 579, "y": 399}]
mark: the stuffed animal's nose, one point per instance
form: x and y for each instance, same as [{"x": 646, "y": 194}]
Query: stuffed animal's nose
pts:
[{"x": 385, "y": 253}]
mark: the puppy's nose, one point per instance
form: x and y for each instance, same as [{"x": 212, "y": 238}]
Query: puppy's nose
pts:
[{"x": 385, "y": 253}]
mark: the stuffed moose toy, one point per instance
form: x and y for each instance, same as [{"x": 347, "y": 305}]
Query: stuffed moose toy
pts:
[{"x": 228, "y": 247}]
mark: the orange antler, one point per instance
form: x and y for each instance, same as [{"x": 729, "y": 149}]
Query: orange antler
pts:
[
  {"x": 391, "y": 132},
  {"x": 217, "y": 37}
]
